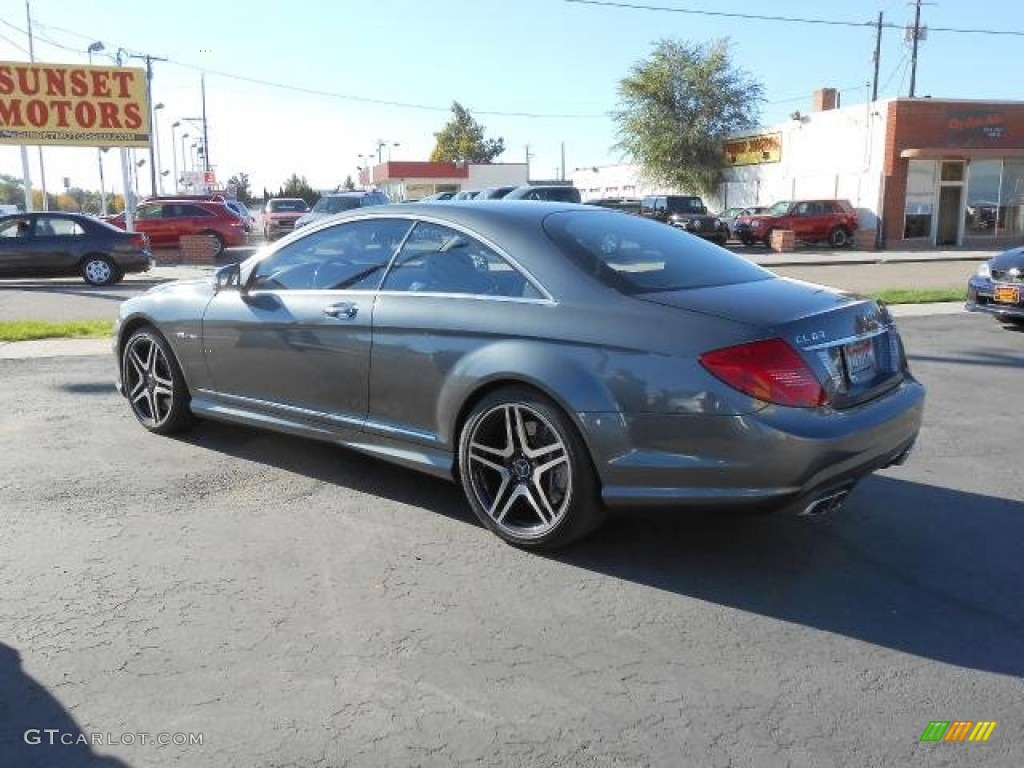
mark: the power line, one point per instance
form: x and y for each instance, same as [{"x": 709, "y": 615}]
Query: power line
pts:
[
  {"x": 786, "y": 19},
  {"x": 331, "y": 94}
]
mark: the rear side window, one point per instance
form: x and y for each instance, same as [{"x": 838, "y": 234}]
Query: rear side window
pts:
[
  {"x": 637, "y": 255},
  {"x": 61, "y": 227}
]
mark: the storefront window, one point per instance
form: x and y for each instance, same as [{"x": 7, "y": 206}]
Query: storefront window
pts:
[
  {"x": 920, "y": 203},
  {"x": 982, "y": 197},
  {"x": 1011, "y": 198}
]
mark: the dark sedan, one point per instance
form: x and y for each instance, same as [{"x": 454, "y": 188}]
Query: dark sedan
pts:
[
  {"x": 57, "y": 244},
  {"x": 997, "y": 288},
  {"x": 556, "y": 359}
]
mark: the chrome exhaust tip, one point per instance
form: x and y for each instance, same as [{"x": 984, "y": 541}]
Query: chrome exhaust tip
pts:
[{"x": 826, "y": 504}]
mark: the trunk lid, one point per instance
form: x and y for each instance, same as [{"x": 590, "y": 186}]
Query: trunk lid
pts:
[{"x": 849, "y": 341}]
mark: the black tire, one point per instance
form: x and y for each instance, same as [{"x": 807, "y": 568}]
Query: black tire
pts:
[
  {"x": 154, "y": 384},
  {"x": 526, "y": 472},
  {"x": 768, "y": 239},
  {"x": 839, "y": 238},
  {"x": 99, "y": 270},
  {"x": 219, "y": 246}
]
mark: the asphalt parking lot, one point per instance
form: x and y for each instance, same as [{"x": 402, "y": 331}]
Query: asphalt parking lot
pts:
[{"x": 297, "y": 605}]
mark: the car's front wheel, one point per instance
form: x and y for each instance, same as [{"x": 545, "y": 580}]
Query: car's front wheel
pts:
[
  {"x": 839, "y": 238},
  {"x": 99, "y": 270},
  {"x": 526, "y": 472},
  {"x": 154, "y": 384}
]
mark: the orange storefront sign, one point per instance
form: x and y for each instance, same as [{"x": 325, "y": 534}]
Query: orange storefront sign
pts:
[
  {"x": 73, "y": 105},
  {"x": 752, "y": 150}
]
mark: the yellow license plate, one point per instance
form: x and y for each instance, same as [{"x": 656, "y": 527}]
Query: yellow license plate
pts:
[{"x": 1006, "y": 294}]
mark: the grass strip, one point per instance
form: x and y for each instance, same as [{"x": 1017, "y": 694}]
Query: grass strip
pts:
[
  {"x": 28, "y": 330},
  {"x": 919, "y": 295}
]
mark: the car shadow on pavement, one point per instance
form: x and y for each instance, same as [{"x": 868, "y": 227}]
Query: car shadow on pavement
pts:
[
  {"x": 335, "y": 465},
  {"x": 31, "y": 718},
  {"x": 916, "y": 568}
]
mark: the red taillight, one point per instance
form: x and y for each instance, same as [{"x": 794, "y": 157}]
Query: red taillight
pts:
[{"x": 769, "y": 370}]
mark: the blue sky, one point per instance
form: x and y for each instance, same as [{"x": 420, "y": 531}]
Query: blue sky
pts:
[{"x": 308, "y": 87}]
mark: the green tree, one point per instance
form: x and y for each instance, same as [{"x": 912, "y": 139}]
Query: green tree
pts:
[
  {"x": 677, "y": 107},
  {"x": 299, "y": 187},
  {"x": 462, "y": 140},
  {"x": 240, "y": 181}
]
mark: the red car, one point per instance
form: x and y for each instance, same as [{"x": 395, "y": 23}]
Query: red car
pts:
[
  {"x": 167, "y": 220},
  {"x": 280, "y": 215},
  {"x": 831, "y": 221}
]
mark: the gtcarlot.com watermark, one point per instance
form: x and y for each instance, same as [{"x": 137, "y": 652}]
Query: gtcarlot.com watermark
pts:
[{"x": 54, "y": 737}]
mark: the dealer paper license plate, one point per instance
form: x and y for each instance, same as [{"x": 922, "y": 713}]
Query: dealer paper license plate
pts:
[{"x": 860, "y": 360}]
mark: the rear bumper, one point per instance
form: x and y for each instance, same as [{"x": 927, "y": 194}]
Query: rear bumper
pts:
[
  {"x": 134, "y": 262},
  {"x": 776, "y": 455}
]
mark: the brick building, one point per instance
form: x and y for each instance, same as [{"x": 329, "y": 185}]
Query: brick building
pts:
[{"x": 923, "y": 172}]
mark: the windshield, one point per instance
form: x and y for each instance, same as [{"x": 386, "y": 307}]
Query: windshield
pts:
[
  {"x": 780, "y": 208},
  {"x": 288, "y": 205},
  {"x": 637, "y": 255},
  {"x": 335, "y": 204}
]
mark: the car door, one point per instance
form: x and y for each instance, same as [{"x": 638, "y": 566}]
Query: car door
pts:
[
  {"x": 16, "y": 238},
  {"x": 801, "y": 221},
  {"x": 296, "y": 341},
  {"x": 447, "y": 295},
  {"x": 149, "y": 218},
  {"x": 57, "y": 242}
]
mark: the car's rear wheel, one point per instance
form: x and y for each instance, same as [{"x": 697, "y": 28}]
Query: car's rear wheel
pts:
[
  {"x": 838, "y": 237},
  {"x": 219, "y": 244},
  {"x": 154, "y": 384},
  {"x": 526, "y": 472},
  {"x": 99, "y": 270}
]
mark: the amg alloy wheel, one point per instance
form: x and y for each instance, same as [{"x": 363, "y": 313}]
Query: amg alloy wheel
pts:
[
  {"x": 526, "y": 472},
  {"x": 154, "y": 384}
]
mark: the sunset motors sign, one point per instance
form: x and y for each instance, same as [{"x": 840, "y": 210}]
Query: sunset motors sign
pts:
[{"x": 73, "y": 105}]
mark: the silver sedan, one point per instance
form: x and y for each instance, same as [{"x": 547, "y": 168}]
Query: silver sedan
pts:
[{"x": 557, "y": 360}]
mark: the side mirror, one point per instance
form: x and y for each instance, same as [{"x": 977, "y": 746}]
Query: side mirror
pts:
[{"x": 229, "y": 278}]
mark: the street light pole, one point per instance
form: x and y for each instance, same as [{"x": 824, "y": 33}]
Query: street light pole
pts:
[
  {"x": 96, "y": 48},
  {"x": 156, "y": 140},
  {"x": 174, "y": 152}
]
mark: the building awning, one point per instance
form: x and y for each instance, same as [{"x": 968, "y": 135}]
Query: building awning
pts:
[{"x": 961, "y": 153}]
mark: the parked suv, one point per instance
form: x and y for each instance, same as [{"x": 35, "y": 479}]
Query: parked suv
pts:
[
  {"x": 686, "y": 212},
  {"x": 280, "y": 214},
  {"x": 553, "y": 192},
  {"x": 165, "y": 221},
  {"x": 812, "y": 221},
  {"x": 336, "y": 202}
]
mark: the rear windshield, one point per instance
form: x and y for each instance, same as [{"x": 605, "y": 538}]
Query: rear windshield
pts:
[
  {"x": 287, "y": 205},
  {"x": 637, "y": 255},
  {"x": 335, "y": 204}
]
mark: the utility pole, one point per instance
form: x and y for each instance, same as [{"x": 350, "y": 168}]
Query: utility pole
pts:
[
  {"x": 42, "y": 170},
  {"x": 913, "y": 56},
  {"x": 152, "y": 116},
  {"x": 206, "y": 136},
  {"x": 561, "y": 176},
  {"x": 877, "y": 57}
]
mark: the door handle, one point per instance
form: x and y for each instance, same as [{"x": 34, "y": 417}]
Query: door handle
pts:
[{"x": 345, "y": 309}]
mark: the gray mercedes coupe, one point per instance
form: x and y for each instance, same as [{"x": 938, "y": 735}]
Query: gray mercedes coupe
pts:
[{"x": 557, "y": 360}]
